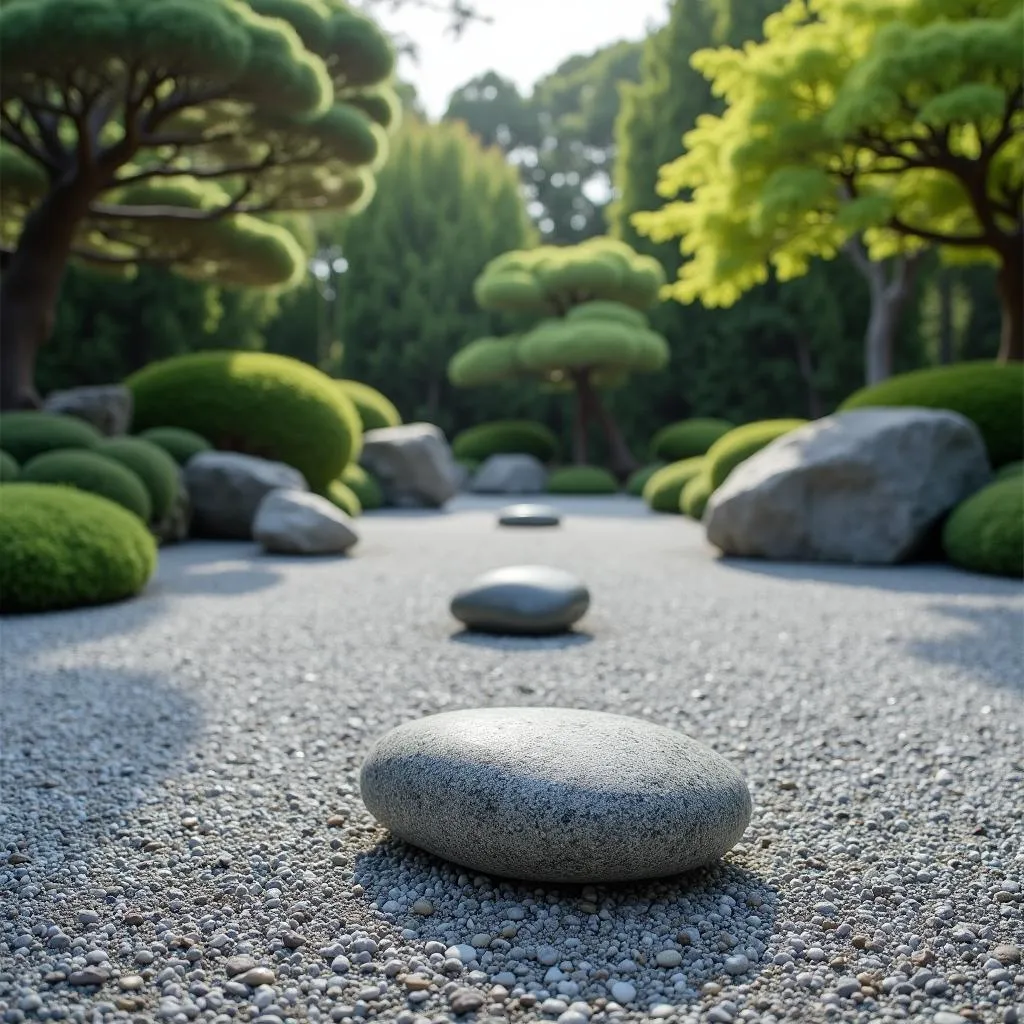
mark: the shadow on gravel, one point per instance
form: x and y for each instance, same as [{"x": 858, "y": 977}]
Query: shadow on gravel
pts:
[
  {"x": 214, "y": 567},
  {"x": 691, "y": 905},
  {"x": 988, "y": 647},
  {"x": 503, "y": 642}
]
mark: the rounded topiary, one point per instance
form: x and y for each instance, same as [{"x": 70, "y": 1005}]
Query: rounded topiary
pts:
[
  {"x": 635, "y": 484},
  {"x": 62, "y": 548},
  {"x": 688, "y": 438},
  {"x": 505, "y": 437},
  {"x": 1010, "y": 471},
  {"x": 739, "y": 444},
  {"x": 694, "y": 496},
  {"x": 179, "y": 443},
  {"x": 253, "y": 402},
  {"x": 156, "y": 469},
  {"x": 582, "y": 480},
  {"x": 24, "y": 435},
  {"x": 364, "y": 486},
  {"x": 985, "y": 533},
  {"x": 990, "y": 394},
  {"x": 344, "y": 497},
  {"x": 90, "y": 471},
  {"x": 375, "y": 410},
  {"x": 665, "y": 487},
  {"x": 9, "y": 468}
]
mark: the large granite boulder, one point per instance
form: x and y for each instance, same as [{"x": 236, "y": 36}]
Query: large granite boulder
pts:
[
  {"x": 413, "y": 463},
  {"x": 226, "y": 488},
  {"x": 107, "y": 407},
  {"x": 299, "y": 523},
  {"x": 510, "y": 474},
  {"x": 555, "y": 794},
  {"x": 862, "y": 486}
]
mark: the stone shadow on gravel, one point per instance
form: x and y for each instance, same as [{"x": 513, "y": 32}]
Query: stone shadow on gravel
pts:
[
  {"x": 213, "y": 567},
  {"x": 512, "y": 643}
]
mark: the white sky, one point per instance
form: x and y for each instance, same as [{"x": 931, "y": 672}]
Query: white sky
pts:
[{"x": 526, "y": 40}]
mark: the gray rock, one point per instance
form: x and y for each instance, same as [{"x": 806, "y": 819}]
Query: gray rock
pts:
[
  {"x": 175, "y": 526},
  {"x": 300, "y": 523},
  {"x": 413, "y": 463},
  {"x": 510, "y": 474},
  {"x": 226, "y": 488},
  {"x": 529, "y": 515},
  {"x": 554, "y": 794},
  {"x": 108, "y": 407},
  {"x": 526, "y": 599},
  {"x": 863, "y": 486}
]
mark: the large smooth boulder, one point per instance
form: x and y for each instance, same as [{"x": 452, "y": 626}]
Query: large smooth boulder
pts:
[
  {"x": 300, "y": 523},
  {"x": 413, "y": 463},
  {"x": 226, "y": 488},
  {"x": 108, "y": 407},
  {"x": 864, "y": 486},
  {"x": 555, "y": 794},
  {"x": 510, "y": 474}
]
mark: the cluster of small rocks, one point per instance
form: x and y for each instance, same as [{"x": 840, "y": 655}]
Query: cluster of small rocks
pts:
[{"x": 183, "y": 837}]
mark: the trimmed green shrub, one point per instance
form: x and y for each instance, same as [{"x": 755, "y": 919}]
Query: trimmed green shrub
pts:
[
  {"x": 344, "y": 497},
  {"x": 985, "y": 533},
  {"x": 1010, "y": 471},
  {"x": 375, "y": 410},
  {"x": 158, "y": 472},
  {"x": 9, "y": 468},
  {"x": 179, "y": 443},
  {"x": 24, "y": 435},
  {"x": 582, "y": 480},
  {"x": 62, "y": 548},
  {"x": 253, "y": 402},
  {"x": 635, "y": 484},
  {"x": 738, "y": 445},
  {"x": 90, "y": 471},
  {"x": 505, "y": 437},
  {"x": 688, "y": 438},
  {"x": 364, "y": 486},
  {"x": 694, "y": 497},
  {"x": 665, "y": 487},
  {"x": 990, "y": 394}
]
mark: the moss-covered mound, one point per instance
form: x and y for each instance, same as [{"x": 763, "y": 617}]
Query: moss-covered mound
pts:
[
  {"x": 61, "y": 548},
  {"x": 505, "y": 437},
  {"x": 24, "y": 435},
  {"x": 985, "y": 533},
  {"x": 253, "y": 402},
  {"x": 1011, "y": 471},
  {"x": 582, "y": 480},
  {"x": 665, "y": 487},
  {"x": 179, "y": 443},
  {"x": 638, "y": 480},
  {"x": 688, "y": 438},
  {"x": 990, "y": 394},
  {"x": 9, "y": 468},
  {"x": 90, "y": 471},
  {"x": 694, "y": 497},
  {"x": 151, "y": 464},
  {"x": 364, "y": 486},
  {"x": 738, "y": 445},
  {"x": 375, "y": 410},
  {"x": 338, "y": 492}
]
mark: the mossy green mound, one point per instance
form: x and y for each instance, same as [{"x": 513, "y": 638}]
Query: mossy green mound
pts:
[
  {"x": 24, "y": 435},
  {"x": 665, "y": 487},
  {"x": 375, "y": 409},
  {"x": 89, "y": 471},
  {"x": 985, "y": 533},
  {"x": 151, "y": 464},
  {"x": 738, "y": 445},
  {"x": 338, "y": 492},
  {"x": 9, "y": 468},
  {"x": 638, "y": 480},
  {"x": 179, "y": 443},
  {"x": 364, "y": 486},
  {"x": 693, "y": 498},
  {"x": 505, "y": 437},
  {"x": 582, "y": 480},
  {"x": 688, "y": 438}
]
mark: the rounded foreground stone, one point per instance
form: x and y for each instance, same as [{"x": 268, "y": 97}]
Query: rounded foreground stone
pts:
[
  {"x": 522, "y": 599},
  {"x": 555, "y": 795},
  {"x": 529, "y": 515}
]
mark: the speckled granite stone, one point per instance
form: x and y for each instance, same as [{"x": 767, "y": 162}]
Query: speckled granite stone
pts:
[
  {"x": 554, "y": 794},
  {"x": 529, "y": 515},
  {"x": 527, "y": 599}
]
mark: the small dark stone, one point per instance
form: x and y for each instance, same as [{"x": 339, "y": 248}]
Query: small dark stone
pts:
[
  {"x": 88, "y": 976},
  {"x": 529, "y": 515},
  {"x": 466, "y": 1000}
]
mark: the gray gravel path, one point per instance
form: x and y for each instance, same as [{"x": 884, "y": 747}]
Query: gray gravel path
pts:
[{"x": 183, "y": 839}]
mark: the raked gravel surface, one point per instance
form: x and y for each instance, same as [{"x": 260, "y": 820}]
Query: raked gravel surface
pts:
[{"x": 182, "y": 837}]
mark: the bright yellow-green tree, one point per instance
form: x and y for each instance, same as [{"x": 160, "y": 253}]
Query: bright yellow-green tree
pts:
[{"x": 880, "y": 125}]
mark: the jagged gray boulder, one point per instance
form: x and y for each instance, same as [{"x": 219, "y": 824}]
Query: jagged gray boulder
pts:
[
  {"x": 510, "y": 474},
  {"x": 299, "y": 523},
  {"x": 108, "y": 407},
  {"x": 863, "y": 486},
  {"x": 413, "y": 463},
  {"x": 226, "y": 488}
]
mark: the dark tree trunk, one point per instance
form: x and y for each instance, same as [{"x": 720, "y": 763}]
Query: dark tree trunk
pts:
[
  {"x": 620, "y": 458},
  {"x": 30, "y": 287},
  {"x": 944, "y": 283},
  {"x": 580, "y": 424},
  {"x": 805, "y": 363},
  {"x": 1011, "y": 297}
]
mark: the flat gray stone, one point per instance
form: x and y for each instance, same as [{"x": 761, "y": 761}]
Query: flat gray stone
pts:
[
  {"x": 529, "y": 515},
  {"x": 108, "y": 407},
  {"x": 525, "y": 599},
  {"x": 299, "y": 523},
  {"x": 555, "y": 794}
]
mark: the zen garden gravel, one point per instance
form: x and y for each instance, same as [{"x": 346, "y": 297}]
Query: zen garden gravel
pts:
[{"x": 184, "y": 839}]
